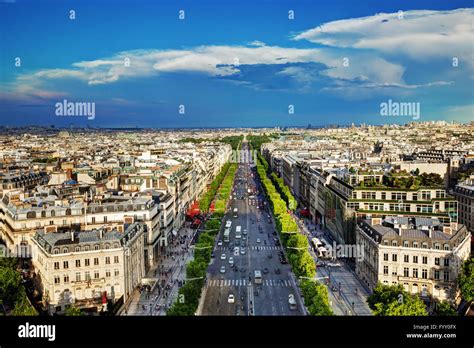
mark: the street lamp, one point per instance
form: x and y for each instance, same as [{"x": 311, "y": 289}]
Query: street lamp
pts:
[
  {"x": 200, "y": 248},
  {"x": 314, "y": 278},
  {"x": 301, "y": 248}
]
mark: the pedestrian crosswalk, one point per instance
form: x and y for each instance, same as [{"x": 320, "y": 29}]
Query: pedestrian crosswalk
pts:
[
  {"x": 253, "y": 247},
  {"x": 244, "y": 282}
]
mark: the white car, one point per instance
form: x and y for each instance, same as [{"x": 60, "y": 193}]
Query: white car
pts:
[
  {"x": 231, "y": 261},
  {"x": 258, "y": 240},
  {"x": 219, "y": 243},
  {"x": 223, "y": 257},
  {"x": 222, "y": 269},
  {"x": 231, "y": 298},
  {"x": 245, "y": 231},
  {"x": 242, "y": 250}
]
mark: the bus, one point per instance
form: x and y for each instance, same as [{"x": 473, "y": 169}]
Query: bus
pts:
[
  {"x": 323, "y": 252},
  {"x": 257, "y": 277},
  {"x": 237, "y": 232},
  {"x": 235, "y": 212},
  {"x": 227, "y": 235},
  {"x": 316, "y": 244}
]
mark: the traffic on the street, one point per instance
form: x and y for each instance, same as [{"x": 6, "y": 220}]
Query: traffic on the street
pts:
[{"x": 249, "y": 273}]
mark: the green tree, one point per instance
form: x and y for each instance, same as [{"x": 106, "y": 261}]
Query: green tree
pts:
[
  {"x": 23, "y": 307},
  {"x": 445, "y": 308},
  {"x": 10, "y": 285},
  {"x": 73, "y": 312},
  {"x": 466, "y": 280},
  {"x": 316, "y": 297},
  {"x": 393, "y": 300}
]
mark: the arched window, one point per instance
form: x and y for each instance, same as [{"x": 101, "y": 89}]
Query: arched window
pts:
[
  {"x": 56, "y": 251},
  {"x": 65, "y": 250},
  {"x": 77, "y": 249},
  {"x": 31, "y": 215}
]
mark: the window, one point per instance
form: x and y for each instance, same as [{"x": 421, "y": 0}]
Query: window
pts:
[
  {"x": 406, "y": 272},
  {"x": 394, "y": 257},
  {"x": 107, "y": 273},
  {"x": 425, "y": 260},
  {"x": 424, "y": 245},
  {"x": 65, "y": 250},
  {"x": 116, "y": 259},
  {"x": 87, "y": 262},
  {"x": 116, "y": 272},
  {"x": 446, "y": 276},
  {"x": 406, "y": 258},
  {"x": 394, "y": 243},
  {"x": 415, "y": 272},
  {"x": 437, "y": 261},
  {"x": 78, "y": 277},
  {"x": 66, "y": 279},
  {"x": 446, "y": 262},
  {"x": 56, "y": 280},
  {"x": 93, "y": 219},
  {"x": 436, "y": 274},
  {"x": 415, "y": 259},
  {"x": 385, "y": 257},
  {"x": 385, "y": 270},
  {"x": 65, "y": 265},
  {"x": 77, "y": 249},
  {"x": 394, "y": 271},
  {"x": 415, "y": 244},
  {"x": 88, "y": 276},
  {"x": 78, "y": 263},
  {"x": 446, "y": 247},
  {"x": 56, "y": 251},
  {"x": 107, "y": 260},
  {"x": 405, "y": 244},
  {"x": 96, "y": 274},
  {"x": 96, "y": 247},
  {"x": 424, "y": 273},
  {"x": 96, "y": 261},
  {"x": 437, "y": 246},
  {"x": 56, "y": 265}
]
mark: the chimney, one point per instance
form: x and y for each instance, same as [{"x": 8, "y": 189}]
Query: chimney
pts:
[
  {"x": 72, "y": 236},
  {"x": 430, "y": 232},
  {"x": 101, "y": 233},
  {"x": 447, "y": 230},
  {"x": 454, "y": 226},
  {"x": 69, "y": 174}
]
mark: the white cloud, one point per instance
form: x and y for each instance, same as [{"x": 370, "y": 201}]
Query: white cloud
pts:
[{"x": 421, "y": 34}]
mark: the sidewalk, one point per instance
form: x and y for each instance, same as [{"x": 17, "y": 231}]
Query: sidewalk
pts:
[
  {"x": 170, "y": 271},
  {"x": 349, "y": 296}
]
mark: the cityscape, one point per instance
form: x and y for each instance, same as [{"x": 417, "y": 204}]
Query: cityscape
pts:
[{"x": 292, "y": 160}]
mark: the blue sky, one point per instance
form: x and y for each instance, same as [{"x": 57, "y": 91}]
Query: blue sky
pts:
[{"x": 235, "y": 63}]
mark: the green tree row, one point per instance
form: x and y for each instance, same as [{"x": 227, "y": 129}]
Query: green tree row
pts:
[
  {"x": 190, "y": 293},
  {"x": 296, "y": 245}
]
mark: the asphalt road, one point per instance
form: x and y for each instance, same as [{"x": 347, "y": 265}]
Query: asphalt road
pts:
[{"x": 271, "y": 297}]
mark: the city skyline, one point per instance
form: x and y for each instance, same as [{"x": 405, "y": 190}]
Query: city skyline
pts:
[{"x": 234, "y": 64}]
